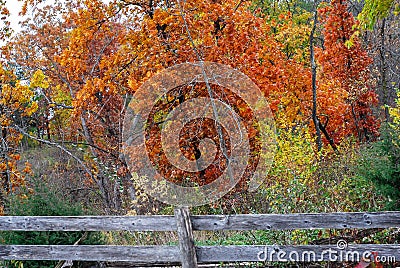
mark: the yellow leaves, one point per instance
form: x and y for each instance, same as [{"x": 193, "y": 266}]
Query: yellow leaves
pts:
[
  {"x": 5, "y": 94},
  {"x": 374, "y": 10},
  {"x": 349, "y": 43},
  {"x": 6, "y": 76},
  {"x": 198, "y": 41},
  {"x": 148, "y": 74},
  {"x": 163, "y": 17},
  {"x": 61, "y": 117},
  {"x": 21, "y": 94},
  {"x": 395, "y": 112},
  {"x": 293, "y": 32},
  {"x": 60, "y": 95},
  {"x": 19, "y": 97},
  {"x": 16, "y": 157},
  {"x": 28, "y": 168},
  {"x": 295, "y": 156},
  {"x": 133, "y": 84},
  {"x": 10, "y": 167},
  {"x": 32, "y": 108},
  {"x": 39, "y": 80},
  {"x": 3, "y": 166}
]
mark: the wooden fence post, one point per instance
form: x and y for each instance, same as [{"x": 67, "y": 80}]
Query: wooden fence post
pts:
[{"x": 185, "y": 235}]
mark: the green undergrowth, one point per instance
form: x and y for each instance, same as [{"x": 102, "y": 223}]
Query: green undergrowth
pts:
[{"x": 45, "y": 202}]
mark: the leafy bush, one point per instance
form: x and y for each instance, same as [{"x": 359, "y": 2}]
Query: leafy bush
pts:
[
  {"x": 380, "y": 163},
  {"x": 44, "y": 202}
]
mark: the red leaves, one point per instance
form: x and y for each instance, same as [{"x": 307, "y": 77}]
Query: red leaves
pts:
[
  {"x": 98, "y": 54},
  {"x": 349, "y": 67}
]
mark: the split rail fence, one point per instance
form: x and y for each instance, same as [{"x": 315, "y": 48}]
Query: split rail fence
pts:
[{"x": 189, "y": 255}]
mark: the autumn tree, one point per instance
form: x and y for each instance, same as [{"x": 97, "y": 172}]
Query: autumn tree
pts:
[
  {"x": 94, "y": 67},
  {"x": 344, "y": 72},
  {"x": 17, "y": 104},
  {"x": 374, "y": 10},
  {"x": 70, "y": 43},
  {"x": 94, "y": 56},
  {"x": 382, "y": 40}
]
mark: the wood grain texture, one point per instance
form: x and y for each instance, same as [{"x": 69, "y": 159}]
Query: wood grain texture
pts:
[
  {"x": 358, "y": 220},
  {"x": 343, "y": 220},
  {"x": 205, "y": 254},
  {"x": 145, "y": 254},
  {"x": 87, "y": 223},
  {"x": 298, "y": 253},
  {"x": 185, "y": 236}
]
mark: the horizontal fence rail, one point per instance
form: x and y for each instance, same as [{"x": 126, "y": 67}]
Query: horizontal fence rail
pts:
[
  {"x": 186, "y": 253},
  {"x": 205, "y": 254},
  {"x": 342, "y": 220}
]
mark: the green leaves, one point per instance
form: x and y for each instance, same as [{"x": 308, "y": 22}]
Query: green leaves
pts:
[
  {"x": 380, "y": 161},
  {"x": 376, "y": 9}
]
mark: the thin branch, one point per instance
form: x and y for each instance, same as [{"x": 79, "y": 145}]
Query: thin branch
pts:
[
  {"x": 100, "y": 55},
  {"x": 58, "y": 73},
  {"x": 88, "y": 144},
  {"x": 69, "y": 263},
  {"x": 80, "y": 162},
  {"x": 23, "y": 132},
  {"x": 61, "y": 105},
  {"x": 238, "y": 5}
]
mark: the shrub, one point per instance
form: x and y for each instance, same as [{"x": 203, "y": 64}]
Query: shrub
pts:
[
  {"x": 380, "y": 163},
  {"x": 44, "y": 202}
]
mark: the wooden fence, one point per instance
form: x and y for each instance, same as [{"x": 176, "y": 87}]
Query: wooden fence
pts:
[{"x": 189, "y": 255}]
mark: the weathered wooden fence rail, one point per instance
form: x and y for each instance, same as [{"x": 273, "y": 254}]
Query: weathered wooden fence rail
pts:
[{"x": 188, "y": 254}]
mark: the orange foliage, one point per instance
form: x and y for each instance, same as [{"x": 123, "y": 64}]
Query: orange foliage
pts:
[
  {"x": 16, "y": 104},
  {"x": 95, "y": 55},
  {"x": 344, "y": 72}
]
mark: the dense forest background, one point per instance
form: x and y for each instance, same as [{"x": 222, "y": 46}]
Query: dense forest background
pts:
[{"x": 329, "y": 69}]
